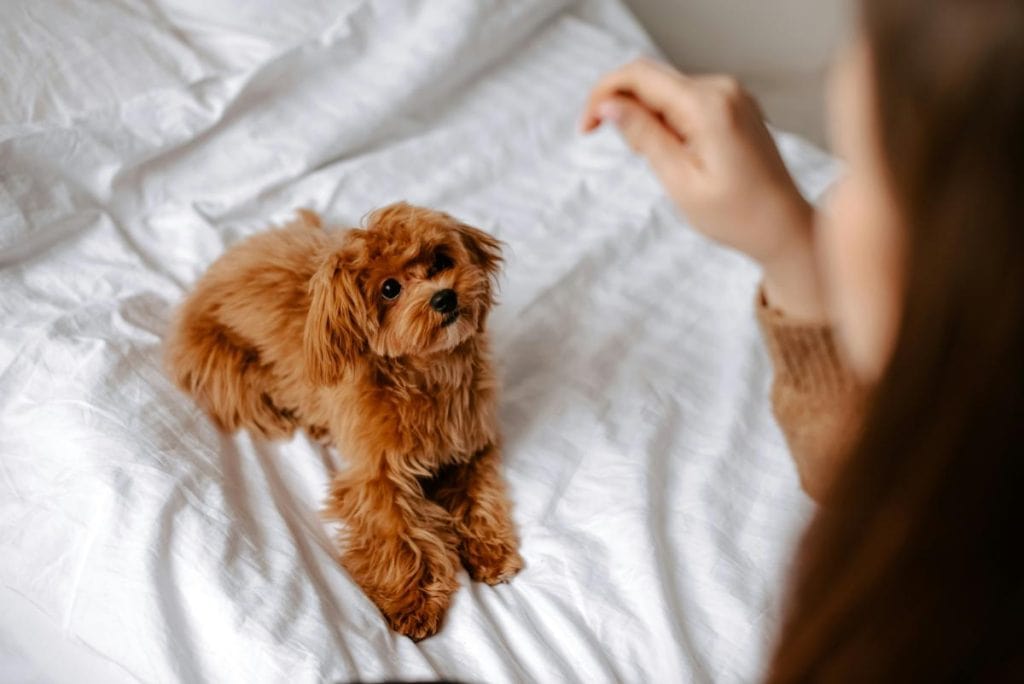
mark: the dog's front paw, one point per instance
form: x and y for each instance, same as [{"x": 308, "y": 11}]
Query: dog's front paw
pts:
[
  {"x": 492, "y": 561},
  {"x": 420, "y": 620}
]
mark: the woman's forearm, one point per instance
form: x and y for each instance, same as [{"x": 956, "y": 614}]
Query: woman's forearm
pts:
[{"x": 816, "y": 401}]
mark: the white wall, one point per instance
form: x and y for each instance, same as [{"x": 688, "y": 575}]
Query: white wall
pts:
[{"x": 780, "y": 49}]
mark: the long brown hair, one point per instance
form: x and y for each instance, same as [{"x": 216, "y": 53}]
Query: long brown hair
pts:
[{"x": 912, "y": 570}]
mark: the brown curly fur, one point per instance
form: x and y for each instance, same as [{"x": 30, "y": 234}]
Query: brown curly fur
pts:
[{"x": 289, "y": 329}]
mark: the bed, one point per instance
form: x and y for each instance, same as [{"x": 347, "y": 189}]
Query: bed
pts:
[{"x": 653, "y": 493}]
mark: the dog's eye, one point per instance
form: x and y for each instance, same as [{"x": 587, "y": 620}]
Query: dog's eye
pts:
[
  {"x": 442, "y": 262},
  {"x": 390, "y": 289}
]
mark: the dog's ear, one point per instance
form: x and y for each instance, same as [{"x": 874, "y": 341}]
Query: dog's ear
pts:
[
  {"x": 484, "y": 249},
  {"x": 334, "y": 335}
]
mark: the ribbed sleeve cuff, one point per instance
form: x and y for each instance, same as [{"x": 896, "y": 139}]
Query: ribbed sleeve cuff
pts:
[{"x": 804, "y": 355}]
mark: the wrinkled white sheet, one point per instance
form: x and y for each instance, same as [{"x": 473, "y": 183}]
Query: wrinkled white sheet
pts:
[{"x": 139, "y": 138}]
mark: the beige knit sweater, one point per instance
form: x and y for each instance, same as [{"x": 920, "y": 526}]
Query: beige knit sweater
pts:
[{"x": 816, "y": 401}]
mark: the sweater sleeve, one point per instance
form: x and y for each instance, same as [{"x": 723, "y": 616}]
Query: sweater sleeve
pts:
[{"x": 815, "y": 399}]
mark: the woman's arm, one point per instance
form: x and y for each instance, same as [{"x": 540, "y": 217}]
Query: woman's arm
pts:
[
  {"x": 706, "y": 140},
  {"x": 816, "y": 401}
]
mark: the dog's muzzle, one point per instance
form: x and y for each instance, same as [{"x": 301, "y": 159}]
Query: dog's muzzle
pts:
[{"x": 444, "y": 301}]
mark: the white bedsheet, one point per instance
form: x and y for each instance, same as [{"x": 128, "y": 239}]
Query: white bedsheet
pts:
[{"x": 138, "y": 139}]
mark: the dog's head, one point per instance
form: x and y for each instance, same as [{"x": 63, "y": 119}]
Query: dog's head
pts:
[{"x": 413, "y": 282}]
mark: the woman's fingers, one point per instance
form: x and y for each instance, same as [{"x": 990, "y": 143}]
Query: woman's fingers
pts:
[
  {"x": 707, "y": 142},
  {"x": 646, "y": 134},
  {"x": 659, "y": 88}
]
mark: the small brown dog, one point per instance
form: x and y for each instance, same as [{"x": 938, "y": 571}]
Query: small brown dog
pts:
[{"x": 374, "y": 338}]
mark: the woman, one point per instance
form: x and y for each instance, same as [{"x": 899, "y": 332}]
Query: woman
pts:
[{"x": 909, "y": 428}]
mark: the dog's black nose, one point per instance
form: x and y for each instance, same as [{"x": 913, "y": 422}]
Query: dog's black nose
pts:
[{"x": 444, "y": 301}]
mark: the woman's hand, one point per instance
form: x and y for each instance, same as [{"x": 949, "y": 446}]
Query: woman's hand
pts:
[{"x": 706, "y": 140}]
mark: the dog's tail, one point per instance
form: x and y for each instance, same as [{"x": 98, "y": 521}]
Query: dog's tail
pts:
[{"x": 309, "y": 219}]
